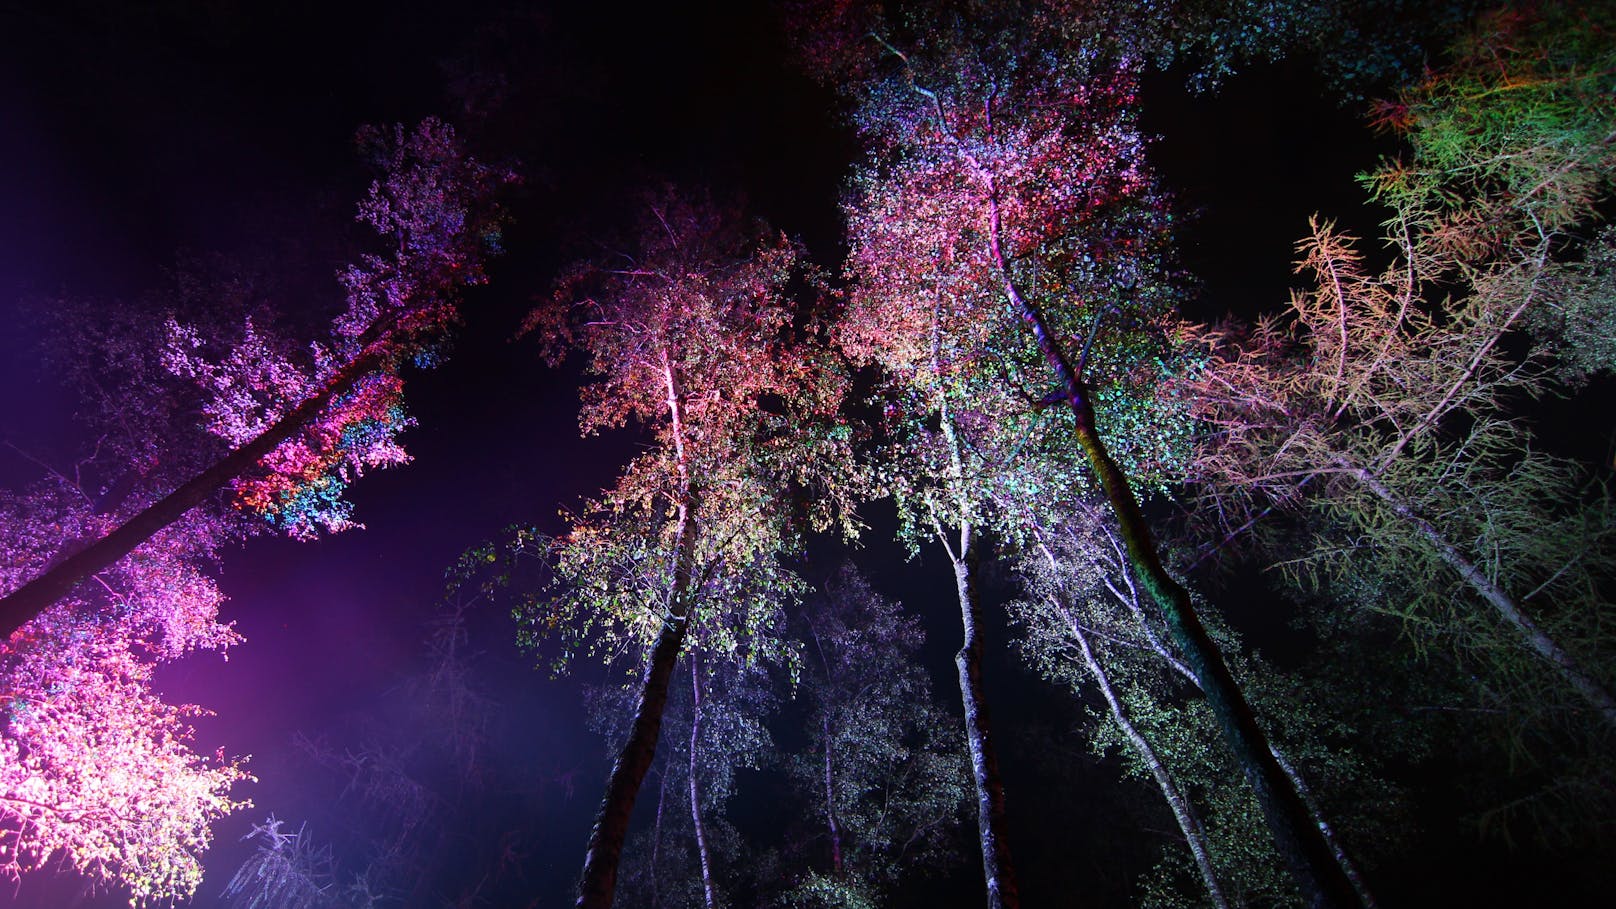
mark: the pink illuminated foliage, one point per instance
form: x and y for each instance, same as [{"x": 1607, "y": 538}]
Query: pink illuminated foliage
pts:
[
  {"x": 305, "y": 425},
  {"x": 433, "y": 205},
  {"x": 1007, "y": 233},
  {"x": 97, "y": 773}
]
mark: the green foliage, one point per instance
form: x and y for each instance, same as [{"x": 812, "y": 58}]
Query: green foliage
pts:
[
  {"x": 1388, "y": 410},
  {"x": 1359, "y": 45},
  {"x": 898, "y": 781},
  {"x": 1086, "y": 591},
  {"x": 695, "y": 335},
  {"x": 1576, "y": 325},
  {"x": 821, "y": 891},
  {"x": 1512, "y": 139}
]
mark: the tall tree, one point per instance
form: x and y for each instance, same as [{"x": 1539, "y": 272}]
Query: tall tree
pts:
[
  {"x": 1054, "y": 624},
  {"x": 964, "y": 430},
  {"x": 97, "y": 771},
  {"x": 1390, "y": 402},
  {"x": 1009, "y": 133},
  {"x": 693, "y": 334},
  {"x": 300, "y": 431}
]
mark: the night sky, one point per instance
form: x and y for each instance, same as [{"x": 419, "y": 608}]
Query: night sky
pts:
[{"x": 130, "y": 138}]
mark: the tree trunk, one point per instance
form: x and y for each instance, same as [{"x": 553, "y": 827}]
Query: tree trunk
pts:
[
  {"x": 830, "y": 803},
  {"x": 707, "y": 889},
  {"x": 1297, "y": 838},
  {"x": 22, "y": 605},
  {"x": 1340, "y": 851},
  {"x": 1308, "y": 857},
  {"x": 599, "y": 879},
  {"x": 1348, "y": 867},
  {"x": 1496, "y": 597},
  {"x": 598, "y": 882},
  {"x": 1183, "y": 812},
  {"x": 996, "y": 864}
]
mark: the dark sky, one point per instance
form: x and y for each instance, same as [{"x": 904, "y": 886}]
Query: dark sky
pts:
[{"x": 129, "y": 135}]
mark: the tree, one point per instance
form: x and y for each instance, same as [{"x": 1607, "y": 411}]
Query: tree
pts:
[
  {"x": 1390, "y": 403},
  {"x": 300, "y": 432},
  {"x": 286, "y": 871},
  {"x": 693, "y": 335},
  {"x": 1018, "y": 124},
  {"x": 883, "y": 767},
  {"x": 99, "y": 769},
  {"x": 1084, "y": 626},
  {"x": 964, "y": 433}
]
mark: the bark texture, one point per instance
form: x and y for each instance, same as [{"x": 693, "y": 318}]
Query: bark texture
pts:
[
  {"x": 996, "y": 865},
  {"x": 709, "y": 891},
  {"x": 1183, "y": 812}
]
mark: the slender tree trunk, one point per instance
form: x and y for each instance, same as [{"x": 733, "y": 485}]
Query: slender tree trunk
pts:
[
  {"x": 1183, "y": 811},
  {"x": 598, "y": 882},
  {"x": 1296, "y": 837},
  {"x": 22, "y": 605},
  {"x": 996, "y": 865},
  {"x": 707, "y": 888},
  {"x": 1348, "y": 867},
  {"x": 1502, "y": 603},
  {"x": 830, "y": 803}
]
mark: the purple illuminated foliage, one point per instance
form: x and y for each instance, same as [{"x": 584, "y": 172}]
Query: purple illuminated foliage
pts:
[{"x": 105, "y": 583}]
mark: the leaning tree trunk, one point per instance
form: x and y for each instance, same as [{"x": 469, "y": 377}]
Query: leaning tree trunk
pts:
[
  {"x": 1496, "y": 597},
  {"x": 26, "y": 602},
  {"x": 1309, "y": 857},
  {"x": 996, "y": 864},
  {"x": 1297, "y": 839},
  {"x": 1183, "y": 811},
  {"x": 707, "y": 888},
  {"x": 599, "y": 879},
  {"x": 1337, "y": 848},
  {"x": 598, "y": 882}
]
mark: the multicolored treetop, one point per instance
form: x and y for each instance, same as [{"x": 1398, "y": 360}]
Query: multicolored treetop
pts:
[
  {"x": 95, "y": 770},
  {"x": 1388, "y": 402},
  {"x": 302, "y": 430},
  {"x": 1004, "y": 129},
  {"x": 692, "y": 333}
]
